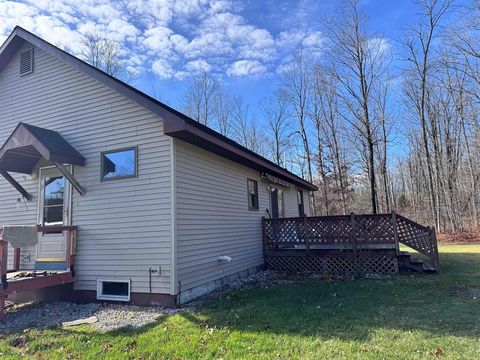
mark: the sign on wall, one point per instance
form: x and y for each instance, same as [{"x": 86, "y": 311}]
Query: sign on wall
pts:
[{"x": 274, "y": 179}]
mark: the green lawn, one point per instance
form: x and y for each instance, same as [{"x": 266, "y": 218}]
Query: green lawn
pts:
[{"x": 406, "y": 317}]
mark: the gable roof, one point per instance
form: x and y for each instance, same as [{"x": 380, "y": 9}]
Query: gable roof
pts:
[{"x": 176, "y": 124}]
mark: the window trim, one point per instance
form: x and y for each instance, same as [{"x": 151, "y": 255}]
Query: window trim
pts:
[
  {"x": 257, "y": 207},
  {"x": 102, "y": 296},
  {"x": 102, "y": 164}
]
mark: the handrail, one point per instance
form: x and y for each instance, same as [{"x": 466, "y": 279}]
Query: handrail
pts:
[{"x": 420, "y": 238}]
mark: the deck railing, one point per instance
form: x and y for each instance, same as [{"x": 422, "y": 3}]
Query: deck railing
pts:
[
  {"x": 70, "y": 247},
  {"x": 354, "y": 232},
  {"x": 31, "y": 283}
]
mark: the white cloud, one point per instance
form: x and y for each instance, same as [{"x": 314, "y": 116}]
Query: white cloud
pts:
[
  {"x": 158, "y": 39},
  {"x": 381, "y": 45},
  {"x": 162, "y": 69},
  {"x": 247, "y": 68},
  {"x": 314, "y": 39},
  {"x": 196, "y": 66},
  {"x": 171, "y": 38}
]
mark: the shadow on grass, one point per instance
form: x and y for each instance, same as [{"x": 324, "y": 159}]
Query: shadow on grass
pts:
[
  {"x": 349, "y": 310},
  {"x": 437, "y": 304}
]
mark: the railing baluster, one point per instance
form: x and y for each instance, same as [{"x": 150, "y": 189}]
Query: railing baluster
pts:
[
  {"x": 264, "y": 235},
  {"x": 395, "y": 232},
  {"x": 307, "y": 235}
]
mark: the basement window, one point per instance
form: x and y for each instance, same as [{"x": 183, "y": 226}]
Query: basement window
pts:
[{"x": 113, "y": 290}]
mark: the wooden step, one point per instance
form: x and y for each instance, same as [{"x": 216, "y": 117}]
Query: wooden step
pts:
[
  {"x": 429, "y": 269},
  {"x": 406, "y": 261}
]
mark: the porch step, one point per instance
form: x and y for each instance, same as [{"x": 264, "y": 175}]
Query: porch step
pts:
[{"x": 406, "y": 261}]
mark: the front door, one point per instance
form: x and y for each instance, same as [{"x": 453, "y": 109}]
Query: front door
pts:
[{"x": 54, "y": 210}]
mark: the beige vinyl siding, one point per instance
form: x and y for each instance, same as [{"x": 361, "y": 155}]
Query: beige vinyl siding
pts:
[
  {"x": 213, "y": 218},
  {"x": 291, "y": 202},
  {"x": 125, "y": 224}
]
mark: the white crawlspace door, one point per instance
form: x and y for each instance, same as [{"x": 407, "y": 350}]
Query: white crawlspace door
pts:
[{"x": 53, "y": 210}]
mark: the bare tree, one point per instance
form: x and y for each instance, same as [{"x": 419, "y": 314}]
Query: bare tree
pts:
[
  {"x": 419, "y": 48},
  {"x": 276, "y": 113},
  {"x": 200, "y": 98},
  {"x": 359, "y": 62},
  {"x": 223, "y": 111},
  {"x": 246, "y": 130},
  {"x": 296, "y": 85},
  {"x": 384, "y": 132},
  {"x": 105, "y": 54},
  {"x": 325, "y": 112}
]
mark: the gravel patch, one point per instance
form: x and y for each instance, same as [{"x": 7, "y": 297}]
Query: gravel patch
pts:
[
  {"x": 110, "y": 316},
  {"x": 115, "y": 316}
]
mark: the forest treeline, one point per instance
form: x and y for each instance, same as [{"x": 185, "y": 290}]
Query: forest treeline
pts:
[{"x": 377, "y": 124}]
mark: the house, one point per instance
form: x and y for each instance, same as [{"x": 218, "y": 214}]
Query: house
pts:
[{"x": 134, "y": 200}]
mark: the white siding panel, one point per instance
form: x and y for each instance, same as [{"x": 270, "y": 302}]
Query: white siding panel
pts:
[
  {"x": 124, "y": 225},
  {"x": 213, "y": 218}
]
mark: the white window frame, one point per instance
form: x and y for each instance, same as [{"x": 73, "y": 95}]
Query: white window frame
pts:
[{"x": 101, "y": 296}]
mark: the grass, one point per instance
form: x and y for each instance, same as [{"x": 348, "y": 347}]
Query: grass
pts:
[{"x": 405, "y": 317}]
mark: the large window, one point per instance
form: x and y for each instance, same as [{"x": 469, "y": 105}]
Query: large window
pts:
[
  {"x": 119, "y": 164},
  {"x": 252, "y": 194},
  {"x": 53, "y": 195}
]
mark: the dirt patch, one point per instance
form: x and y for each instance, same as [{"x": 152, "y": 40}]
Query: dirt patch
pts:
[
  {"x": 19, "y": 341},
  {"x": 467, "y": 293}
]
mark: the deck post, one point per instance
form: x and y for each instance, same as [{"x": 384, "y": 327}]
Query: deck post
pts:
[
  {"x": 354, "y": 240},
  {"x": 16, "y": 259},
  {"x": 307, "y": 235},
  {"x": 71, "y": 250},
  {"x": 264, "y": 236},
  {"x": 2, "y": 306},
  {"x": 3, "y": 273},
  {"x": 3, "y": 262},
  {"x": 395, "y": 232},
  {"x": 435, "y": 248}
]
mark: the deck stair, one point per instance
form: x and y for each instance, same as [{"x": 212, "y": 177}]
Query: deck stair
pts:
[{"x": 409, "y": 262}]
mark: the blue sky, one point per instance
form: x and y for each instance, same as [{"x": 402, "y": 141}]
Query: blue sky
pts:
[{"x": 165, "y": 42}]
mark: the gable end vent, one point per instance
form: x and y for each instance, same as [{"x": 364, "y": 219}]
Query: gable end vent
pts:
[{"x": 26, "y": 62}]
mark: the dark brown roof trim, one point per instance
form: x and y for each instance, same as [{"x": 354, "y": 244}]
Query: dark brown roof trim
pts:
[{"x": 175, "y": 123}]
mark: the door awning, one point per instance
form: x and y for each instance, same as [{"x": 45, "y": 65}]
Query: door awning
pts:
[{"x": 27, "y": 145}]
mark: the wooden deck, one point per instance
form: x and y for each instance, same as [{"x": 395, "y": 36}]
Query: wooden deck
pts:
[
  {"x": 16, "y": 280},
  {"x": 346, "y": 245}
]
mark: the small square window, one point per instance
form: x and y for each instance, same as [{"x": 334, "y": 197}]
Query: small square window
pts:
[
  {"x": 252, "y": 186},
  {"x": 119, "y": 164}
]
